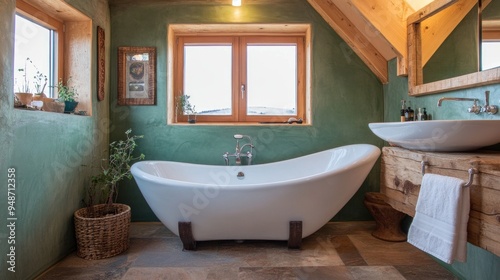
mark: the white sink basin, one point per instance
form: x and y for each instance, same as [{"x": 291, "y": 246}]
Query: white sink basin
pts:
[{"x": 440, "y": 135}]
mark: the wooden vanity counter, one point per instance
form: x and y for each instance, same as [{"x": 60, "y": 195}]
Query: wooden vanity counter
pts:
[{"x": 401, "y": 176}]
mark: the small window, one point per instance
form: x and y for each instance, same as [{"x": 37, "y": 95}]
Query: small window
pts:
[
  {"x": 34, "y": 60},
  {"x": 241, "y": 78}
]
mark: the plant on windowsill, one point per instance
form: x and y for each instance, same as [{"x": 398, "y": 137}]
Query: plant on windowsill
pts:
[
  {"x": 68, "y": 96},
  {"x": 183, "y": 106},
  {"x": 24, "y": 94},
  {"x": 102, "y": 226}
]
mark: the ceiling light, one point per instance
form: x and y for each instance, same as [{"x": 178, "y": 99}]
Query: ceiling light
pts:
[{"x": 237, "y": 3}]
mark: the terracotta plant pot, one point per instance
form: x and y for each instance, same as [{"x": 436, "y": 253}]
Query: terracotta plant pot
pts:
[
  {"x": 24, "y": 98},
  {"x": 39, "y": 97}
]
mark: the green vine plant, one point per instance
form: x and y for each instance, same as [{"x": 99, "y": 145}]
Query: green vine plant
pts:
[{"x": 104, "y": 186}]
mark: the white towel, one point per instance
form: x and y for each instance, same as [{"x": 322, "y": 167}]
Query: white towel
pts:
[{"x": 440, "y": 223}]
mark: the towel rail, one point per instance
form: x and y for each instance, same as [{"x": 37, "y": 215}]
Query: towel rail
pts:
[{"x": 471, "y": 172}]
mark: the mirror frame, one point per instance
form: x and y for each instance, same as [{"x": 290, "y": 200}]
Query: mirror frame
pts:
[{"x": 416, "y": 87}]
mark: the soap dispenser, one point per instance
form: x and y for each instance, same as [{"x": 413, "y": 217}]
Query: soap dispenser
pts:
[
  {"x": 409, "y": 114},
  {"x": 424, "y": 116}
]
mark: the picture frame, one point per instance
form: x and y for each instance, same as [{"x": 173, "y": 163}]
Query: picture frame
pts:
[
  {"x": 101, "y": 63},
  {"x": 136, "y": 76}
]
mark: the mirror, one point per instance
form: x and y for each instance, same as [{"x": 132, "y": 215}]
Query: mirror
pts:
[
  {"x": 490, "y": 34},
  {"x": 443, "y": 42},
  {"x": 454, "y": 52}
]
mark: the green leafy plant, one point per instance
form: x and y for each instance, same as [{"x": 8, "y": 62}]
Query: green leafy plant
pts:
[
  {"x": 104, "y": 186},
  {"x": 65, "y": 92},
  {"x": 185, "y": 105}
]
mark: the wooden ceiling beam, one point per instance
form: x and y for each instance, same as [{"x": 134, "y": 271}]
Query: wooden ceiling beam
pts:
[
  {"x": 353, "y": 37},
  {"x": 389, "y": 19}
]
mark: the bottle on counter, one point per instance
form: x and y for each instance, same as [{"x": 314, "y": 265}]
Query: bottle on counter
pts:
[
  {"x": 403, "y": 111},
  {"x": 424, "y": 115},
  {"x": 419, "y": 115},
  {"x": 411, "y": 114}
]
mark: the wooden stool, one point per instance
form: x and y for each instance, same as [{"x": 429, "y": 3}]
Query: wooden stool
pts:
[{"x": 388, "y": 219}]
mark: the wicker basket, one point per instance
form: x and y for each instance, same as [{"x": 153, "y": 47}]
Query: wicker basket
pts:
[{"x": 100, "y": 235}]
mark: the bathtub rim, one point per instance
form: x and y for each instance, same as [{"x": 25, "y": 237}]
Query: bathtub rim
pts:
[{"x": 373, "y": 152}]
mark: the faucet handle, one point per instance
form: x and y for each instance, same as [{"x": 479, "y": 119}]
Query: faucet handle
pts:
[
  {"x": 490, "y": 109},
  {"x": 475, "y": 109}
]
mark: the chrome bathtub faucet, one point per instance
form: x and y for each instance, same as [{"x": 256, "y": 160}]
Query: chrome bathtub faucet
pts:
[{"x": 238, "y": 150}]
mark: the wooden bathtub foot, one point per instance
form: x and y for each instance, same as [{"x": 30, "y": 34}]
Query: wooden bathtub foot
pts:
[
  {"x": 186, "y": 235},
  {"x": 295, "y": 235}
]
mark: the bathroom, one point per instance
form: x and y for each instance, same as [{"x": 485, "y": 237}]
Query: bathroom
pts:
[{"x": 52, "y": 152}]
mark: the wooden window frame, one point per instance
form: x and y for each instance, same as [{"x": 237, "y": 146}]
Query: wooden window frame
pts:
[
  {"x": 39, "y": 17},
  {"x": 239, "y": 43}
]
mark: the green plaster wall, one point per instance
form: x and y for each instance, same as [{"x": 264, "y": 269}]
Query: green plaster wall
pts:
[
  {"x": 51, "y": 154},
  {"x": 346, "y": 96},
  {"x": 490, "y": 12},
  {"x": 397, "y": 89},
  {"x": 480, "y": 264}
]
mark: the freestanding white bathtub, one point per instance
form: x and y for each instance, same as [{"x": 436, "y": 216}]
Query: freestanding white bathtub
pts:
[{"x": 221, "y": 206}]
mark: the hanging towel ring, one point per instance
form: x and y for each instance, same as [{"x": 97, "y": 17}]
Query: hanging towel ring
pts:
[{"x": 471, "y": 172}]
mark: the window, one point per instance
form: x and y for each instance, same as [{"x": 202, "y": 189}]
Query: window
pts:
[
  {"x": 242, "y": 78},
  {"x": 57, "y": 45},
  {"x": 490, "y": 54},
  {"x": 33, "y": 62},
  {"x": 36, "y": 54}
]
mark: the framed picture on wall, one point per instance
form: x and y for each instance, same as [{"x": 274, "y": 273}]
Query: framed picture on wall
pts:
[
  {"x": 136, "y": 76},
  {"x": 101, "y": 63}
]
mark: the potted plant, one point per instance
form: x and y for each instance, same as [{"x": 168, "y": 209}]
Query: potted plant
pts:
[
  {"x": 40, "y": 81},
  {"x": 67, "y": 95},
  {"x": 102, "y": 226},
  {"x": 183, "y": 106},
  {"x": 24, "y": 93}
]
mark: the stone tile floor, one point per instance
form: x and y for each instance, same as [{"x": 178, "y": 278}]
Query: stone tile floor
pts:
[{"x": 339, "y": 250}]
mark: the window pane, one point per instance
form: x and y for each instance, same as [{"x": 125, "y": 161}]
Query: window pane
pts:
[
  {"x": 32, "y": 57},
  {"x": 272, "y": 80},
  {"x": 490, "y": 55},
  {"x": 207, "y": 78}
]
